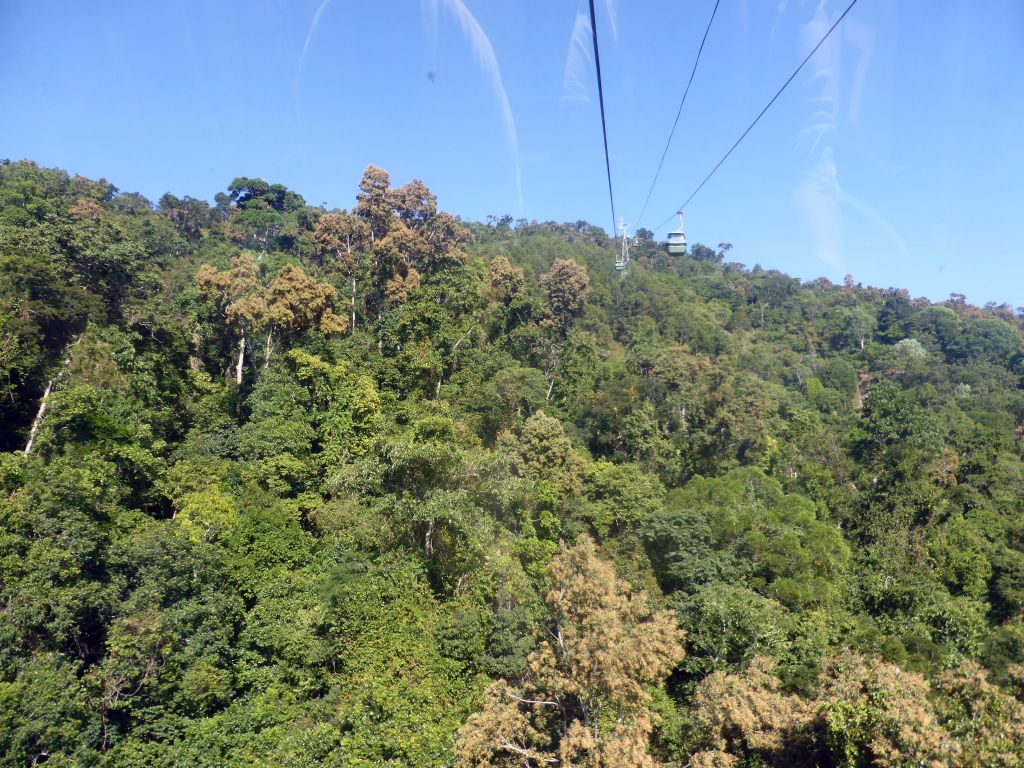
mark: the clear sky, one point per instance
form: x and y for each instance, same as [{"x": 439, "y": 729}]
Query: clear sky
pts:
[{"x": 895, "y": 156}]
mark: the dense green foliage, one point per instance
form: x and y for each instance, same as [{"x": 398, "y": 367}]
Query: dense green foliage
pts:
[{"x": 301, "y": 477}]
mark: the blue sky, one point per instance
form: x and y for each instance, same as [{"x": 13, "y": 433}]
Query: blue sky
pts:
[{"x": 895, "y": 155}]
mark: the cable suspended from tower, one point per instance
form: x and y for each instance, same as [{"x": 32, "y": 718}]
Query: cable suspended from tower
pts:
[
  {"x": 600, "y": 99},
  {"x": 618, "y": 226},
  {"x": 679, "y": 112},
  {"x": 762, "y": 112}
]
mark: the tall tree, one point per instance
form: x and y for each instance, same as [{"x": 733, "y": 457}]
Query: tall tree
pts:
[
  {"x": 188, "y": 215},
  {"x": 295, "y": 302},
  {"x": 292, "y": 302},
  {"x": 236, "y": 293},
  {"x": 566, "y": 288},
  {"x": 339, "y": 237},
  {"x": 375, "y": 201}
]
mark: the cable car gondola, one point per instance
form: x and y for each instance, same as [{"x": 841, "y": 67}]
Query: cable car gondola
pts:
[{"x": 676, "y": 242}]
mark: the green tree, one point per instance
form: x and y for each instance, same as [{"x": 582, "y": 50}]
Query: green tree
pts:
[{"x": 742, "y": 526}]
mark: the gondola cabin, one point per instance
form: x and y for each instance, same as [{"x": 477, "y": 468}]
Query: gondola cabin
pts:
[{"x": 676, "y": 241}]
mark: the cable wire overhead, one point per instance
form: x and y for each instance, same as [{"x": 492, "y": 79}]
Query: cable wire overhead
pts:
[
  {"x": 678, "y": 113},
  {"x": 761, "y": 114},
  {"x": 604, "y": 125}
]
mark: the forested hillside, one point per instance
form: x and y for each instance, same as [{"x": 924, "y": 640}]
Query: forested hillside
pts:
[{"x": 382, "y": 487}]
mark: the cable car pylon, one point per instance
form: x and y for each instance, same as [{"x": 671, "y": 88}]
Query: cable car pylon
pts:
[{"x": 623, "y": 258}]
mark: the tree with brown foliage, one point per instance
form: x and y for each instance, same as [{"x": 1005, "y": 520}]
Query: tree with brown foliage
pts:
[
  {"x": 375, "y": 201},
  {"x": 987, "y": 721},
  {"x": 394, "y": 256},
  {"x": 408, "y": 238},
  {"x": 339, "y": 237},
  {"x": 583, "y": 700},
  {"x": 566, "y": 288},
  {"x": 867, "y": 712},
  {"x": 293, "y": 302},
  {"x": 235, "y": 291},
  {"x": 505, "y": 281},
  {"x": 747, "y": 713},
  {"x": 874, "y": 713}
]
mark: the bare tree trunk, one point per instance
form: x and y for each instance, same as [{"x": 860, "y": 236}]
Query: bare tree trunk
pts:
[
  {"x": 269, "y": 350},
  {"x": 39, "y": 417},
  {"x": 195, "y": 362},
  {"x": 551, "y": 388},
  {"x": 455, "y": 359},
  {"x": 428, "y": 539},
  {"x": 46, "y": 395},
  {"x": 241, "y": 360},
  {"x": 353, "y": 303}
]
